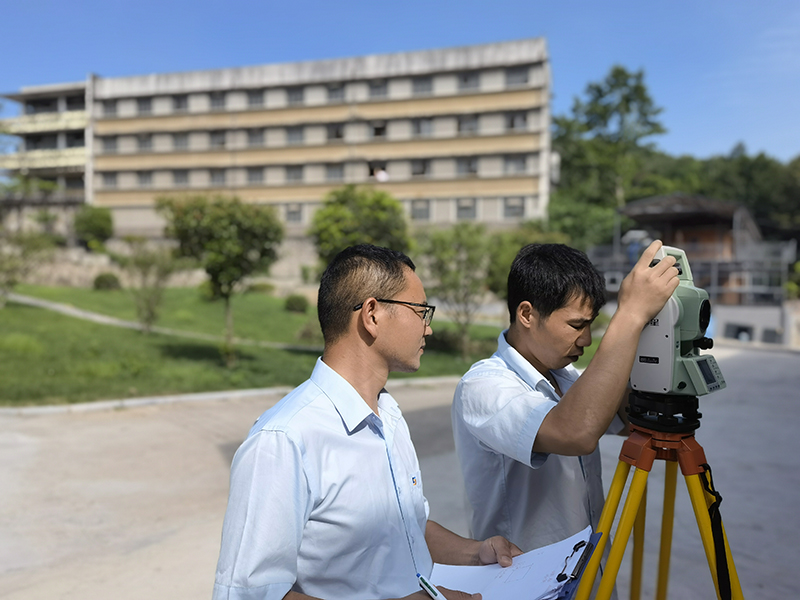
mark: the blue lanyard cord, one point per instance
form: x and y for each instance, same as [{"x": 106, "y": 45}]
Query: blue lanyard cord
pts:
[{"x": 400, "y": 506}]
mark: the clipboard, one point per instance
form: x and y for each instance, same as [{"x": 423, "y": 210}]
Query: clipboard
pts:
[
  {"x": 571, "y": 580},
  {"x": 551, "y": 572}
]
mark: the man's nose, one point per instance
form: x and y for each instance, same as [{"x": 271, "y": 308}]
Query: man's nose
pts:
[{"x": 585, "y": 338}]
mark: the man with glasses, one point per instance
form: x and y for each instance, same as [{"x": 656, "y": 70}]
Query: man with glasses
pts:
[{"x": 326, "y": 495}]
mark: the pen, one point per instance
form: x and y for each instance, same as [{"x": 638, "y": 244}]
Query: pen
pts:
[{"x": 430, "y": 588}]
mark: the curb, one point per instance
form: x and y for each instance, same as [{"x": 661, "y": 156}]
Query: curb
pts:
[{"x": 225, "y": 395}]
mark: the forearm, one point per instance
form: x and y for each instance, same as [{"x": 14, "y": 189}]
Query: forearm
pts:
[
  {"x": 449, "y": 548},
  {"x": 575, "y": 424}
]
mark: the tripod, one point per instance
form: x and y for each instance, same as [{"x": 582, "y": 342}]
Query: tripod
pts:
[{"x": 662, "y": 427}]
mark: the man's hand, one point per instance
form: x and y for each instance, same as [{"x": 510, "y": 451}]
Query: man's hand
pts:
[
  {"x": 498, "y": 550},
  {"x": 646, "y": 289},
  {"x": 449, "y": 594}
]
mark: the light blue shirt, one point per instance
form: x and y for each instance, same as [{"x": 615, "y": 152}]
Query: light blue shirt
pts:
[
  {"x": 325, "y": 499},
  {"x": 532, "y": 499}
]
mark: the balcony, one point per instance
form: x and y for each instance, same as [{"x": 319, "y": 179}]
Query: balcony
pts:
[
  {"x": 68, "y": 158},
  {"x": 45, "y": 121}
]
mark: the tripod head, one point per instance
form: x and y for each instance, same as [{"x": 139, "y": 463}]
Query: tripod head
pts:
[{"x": 669, "y": 372}]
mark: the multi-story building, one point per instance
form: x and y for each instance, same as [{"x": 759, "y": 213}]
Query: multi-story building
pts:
[{"x": 455, "y": 134}]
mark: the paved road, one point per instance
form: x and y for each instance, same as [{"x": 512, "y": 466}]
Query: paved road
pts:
[{"x": 127, "y": 503}]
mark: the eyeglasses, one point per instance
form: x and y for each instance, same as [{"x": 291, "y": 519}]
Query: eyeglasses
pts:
[{"x": 426, "y": 314}]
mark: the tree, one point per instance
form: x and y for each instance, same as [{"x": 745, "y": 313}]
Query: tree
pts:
[
  {"x": 231, "y": 240},
  {"x": 93, "y": 226},
  {"x": 457, "y": 260},
  {"x": 505, "y": 245},
  {"x": 20, "y": 253},
  {"x": 150, "y": 268},
  {"x": 601, "y": 147},
  {"x": 358, "y": 215}
]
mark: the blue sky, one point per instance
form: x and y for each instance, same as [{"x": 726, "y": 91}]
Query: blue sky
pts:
[{"x": 724, "y": 71}]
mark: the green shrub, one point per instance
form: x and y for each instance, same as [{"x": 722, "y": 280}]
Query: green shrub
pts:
[
  {"x": 93, "y": 226},
  {"x": 260, "y": 287},
  {"x": 296, "y": 303},
  {"x": 107, "y": 281},
  {"x": 311, "y": 333},
  {"x": 206, "y": 293}
]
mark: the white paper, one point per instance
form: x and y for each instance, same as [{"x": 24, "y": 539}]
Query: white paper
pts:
[{"x": 532, "y": 576}]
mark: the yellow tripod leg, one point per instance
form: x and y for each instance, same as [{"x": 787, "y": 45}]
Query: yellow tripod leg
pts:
[
  {"x": 667, "y": 521},
  {"x": 638, "y": 549},
  {"x": 700, "y": 503},
  {"x": 604, "y": 526},
  {"x": 623, "y": 533}
]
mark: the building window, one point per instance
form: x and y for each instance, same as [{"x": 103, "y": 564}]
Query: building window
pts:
[
  {"x": 180, "y": 103},
  {"x": 336, "y": 93},
  {"x": 377, "y": 170},
  {"x": 216, "y": 139},
  {"x": 76, "y": 102},
  {"x": 466, "y": 209},
  {"x": 180, "y": 141},
  {"x": 378, "y": 129},
  {"x": 255, "y": 174},
  {"x": 467, "y": 166},
  {"x": 180, "y": 177},
  {"x": 421, "y": 210},
  {"x": 144, "y": 106},
  {"x": 145, "y": 178},
  {"x": 144, "y": 142},
  {"x": 334, "y": 172},
  {"x": 294, "y": 173},
  {"x": 420, "y": 168},
  {"x": 109, "y": 180},
  {"x": 110, "y": 145},
  {"x": 216, "y": 100},
  {"x": 255, "y": 98},
  {"x": 515, "y": 164},
  {"x": 255, "y": 137},
  {"x": 109, "y": 108},
  {"x": 379, "y": 88},
  {"x": 217, "y": 176},
  {"x": 335, "y": 132},
  {"x": 514, "y": 207},
  {"x": 294, "y": 96},
  {"x": 469, "y": 81},
  {"x": 44, "y": 105},
  {"x": 422, "y": 127},
  {"x": 294, "y": 213},
  {"x": 294, "y": 135},
  {"x": 517, "y": 76},
  {"x": 422, "y": 86},
  {"x": 516, "y": 121},
  {"x": 467, "y": 125},
  {"x": 75, "y": 139},
  {"x": 41, "y": 142},
  {"x": 74, "y": 183}
]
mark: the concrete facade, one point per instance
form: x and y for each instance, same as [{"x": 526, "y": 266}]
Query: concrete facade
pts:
[{"x": 436, "y": 127}]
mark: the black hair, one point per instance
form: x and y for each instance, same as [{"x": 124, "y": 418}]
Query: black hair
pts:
[
  {"x": 355, "y": 274},
  {"x": 549, "y": 276}
]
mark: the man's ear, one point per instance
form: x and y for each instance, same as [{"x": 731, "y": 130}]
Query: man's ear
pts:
[
  {"x": 527, "y": 316},
  {"x": 367, "y": 318}
]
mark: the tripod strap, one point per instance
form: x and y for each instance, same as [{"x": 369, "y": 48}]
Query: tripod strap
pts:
[{"x": 723, "y": 576}]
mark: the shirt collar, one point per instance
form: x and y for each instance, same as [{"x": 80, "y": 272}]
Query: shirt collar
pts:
[
  {"x": 522, "y": 367},
  {"x": 347, "y": 401}
]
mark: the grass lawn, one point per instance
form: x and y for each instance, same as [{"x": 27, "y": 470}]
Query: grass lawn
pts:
[{"x": 48, "y": 358}]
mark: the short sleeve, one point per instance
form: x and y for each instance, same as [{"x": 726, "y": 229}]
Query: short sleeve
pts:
[
  {"x": 502, "y": 414},
  {"x": 268, "y": 506}
]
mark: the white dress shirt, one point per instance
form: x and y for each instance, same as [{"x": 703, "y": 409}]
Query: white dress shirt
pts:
[
  {"x": 325, "y": 499},
  {"x": 533, "y": 499}
]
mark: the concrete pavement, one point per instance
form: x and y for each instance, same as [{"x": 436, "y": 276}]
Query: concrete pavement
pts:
[{"x": 127, "y": 502}]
